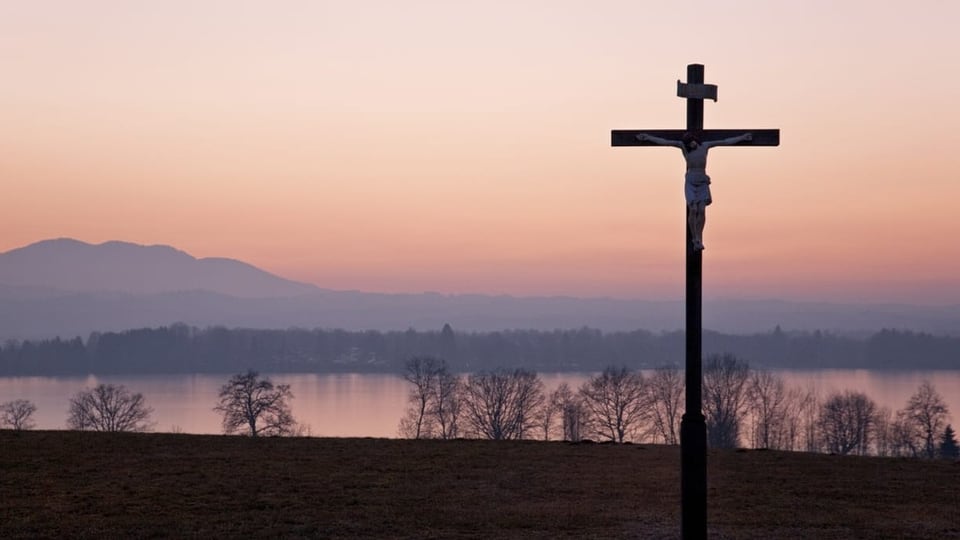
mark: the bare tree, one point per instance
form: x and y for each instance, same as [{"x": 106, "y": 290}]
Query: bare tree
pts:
[
  {"x": 548, "y": 413},
  {"x": 884, "y": 431},
  {"x": 901, "y": 435},
  {"x": 445, "y": 404},
  {"x": 502, "y": 404},
  {"x": 248, "y": 402},
  {"x": 895, "y": 434},
  {"x": 926, "y": 415},
  {"x": 768, "y": 404},
  {"x": 108, "y": 407},
  {"x": 798, "y": 427},
  {"x": 17, "y": 414},
  {"x": 567, "y": 405},
  {"x": 805, "y": 418},
  {"x": 434, "y": 406},
  {"x": 616, "y": 403},
  {"x": 846, "y": 422},
  {"x": 724, "y": 399},
  {"x": 573, "y": 419},
  {"x": 665, "y": 389},
  {"x": 420, "y": 373}
]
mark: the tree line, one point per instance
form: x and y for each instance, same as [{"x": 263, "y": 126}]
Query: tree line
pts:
[
  {"x": 742, "y": 406},
  {"x": 248, "y": 403},
  {"x": 183, "y": 349}
]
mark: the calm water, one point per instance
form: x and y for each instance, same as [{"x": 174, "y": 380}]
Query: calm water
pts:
[{"x": 371, "y": 405}]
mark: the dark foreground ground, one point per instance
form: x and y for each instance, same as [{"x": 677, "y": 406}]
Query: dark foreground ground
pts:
[{"x": 74, "y": 485}]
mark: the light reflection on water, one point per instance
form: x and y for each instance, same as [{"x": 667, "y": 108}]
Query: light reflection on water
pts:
[{"x": 370, "y": 405}]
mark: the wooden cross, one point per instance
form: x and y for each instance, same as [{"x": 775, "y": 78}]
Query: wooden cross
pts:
[{"x": 693, "y": 429}]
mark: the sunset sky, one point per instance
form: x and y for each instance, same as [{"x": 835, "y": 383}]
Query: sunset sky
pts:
[{"x": 459, "y": 147}]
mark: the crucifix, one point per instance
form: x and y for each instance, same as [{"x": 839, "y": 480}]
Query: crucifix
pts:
[{"x": 694, "y": 142}]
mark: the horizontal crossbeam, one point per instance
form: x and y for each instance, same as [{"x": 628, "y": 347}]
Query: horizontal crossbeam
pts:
[{"x": 761, "y": 137}]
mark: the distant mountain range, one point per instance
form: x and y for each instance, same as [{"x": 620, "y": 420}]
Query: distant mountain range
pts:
[
  {"x": 69, "y": 288},
  {"x": 69, "y": 265}
]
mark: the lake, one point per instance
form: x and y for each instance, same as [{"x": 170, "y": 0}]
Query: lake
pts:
[{"x": 371, "y": 405}]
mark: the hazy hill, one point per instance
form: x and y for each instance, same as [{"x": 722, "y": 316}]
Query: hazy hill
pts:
[
  {"x": 65, "y": 287},
  {"x": 72, "y": 266}
]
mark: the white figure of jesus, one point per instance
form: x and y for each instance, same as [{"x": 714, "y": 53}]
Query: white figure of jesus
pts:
[{"x": 696, "y": 182}]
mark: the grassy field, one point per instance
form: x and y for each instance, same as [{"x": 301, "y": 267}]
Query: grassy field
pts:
[{"x": 76, "y": 485}]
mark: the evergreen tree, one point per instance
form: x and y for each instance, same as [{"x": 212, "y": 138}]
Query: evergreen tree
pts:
[{"x": 948, "y": 446}]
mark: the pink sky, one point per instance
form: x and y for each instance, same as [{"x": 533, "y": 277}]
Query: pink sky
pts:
[{"x": 464, "y": 147}]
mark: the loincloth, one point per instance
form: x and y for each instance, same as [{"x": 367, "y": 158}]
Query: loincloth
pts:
[{"x": 697, "y": 187}]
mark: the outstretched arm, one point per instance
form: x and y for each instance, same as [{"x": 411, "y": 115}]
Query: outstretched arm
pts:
[
  {"x": 730, "y": 141},
  {"x": 657, "y": 140}
]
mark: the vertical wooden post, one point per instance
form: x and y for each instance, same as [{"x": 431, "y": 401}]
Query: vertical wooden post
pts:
[{"x": 693, "y": 427}]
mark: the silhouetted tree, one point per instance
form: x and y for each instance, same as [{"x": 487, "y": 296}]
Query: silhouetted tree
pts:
[
  {"x": 567, "y": 406},
  {"x": 444, "y": 407},
  {"x": 804, "y": 419},
  {"x": 502, "y": 404},
  {"x": 665, "y": 390},
  {"x": 948, "y": 444},
  {"x": 925, "y": 415},
  {"x": 108, "y": 407},
  {"x": 846, "y": 422},
  {"x": 17, "y": 414},
  {"x": 420, "y": 374},
  {"x": 546, "y": 422},
  {"x": 616, "y": 404},
  {"x": 884, "y": 439},
  {"x": 902, "y": 437},
  {"x": 768, "y": 403},
  {"x": 248, "y": 402},
  {"x": 434, "y": 400},
  {"x": 724, "y": 399}
]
